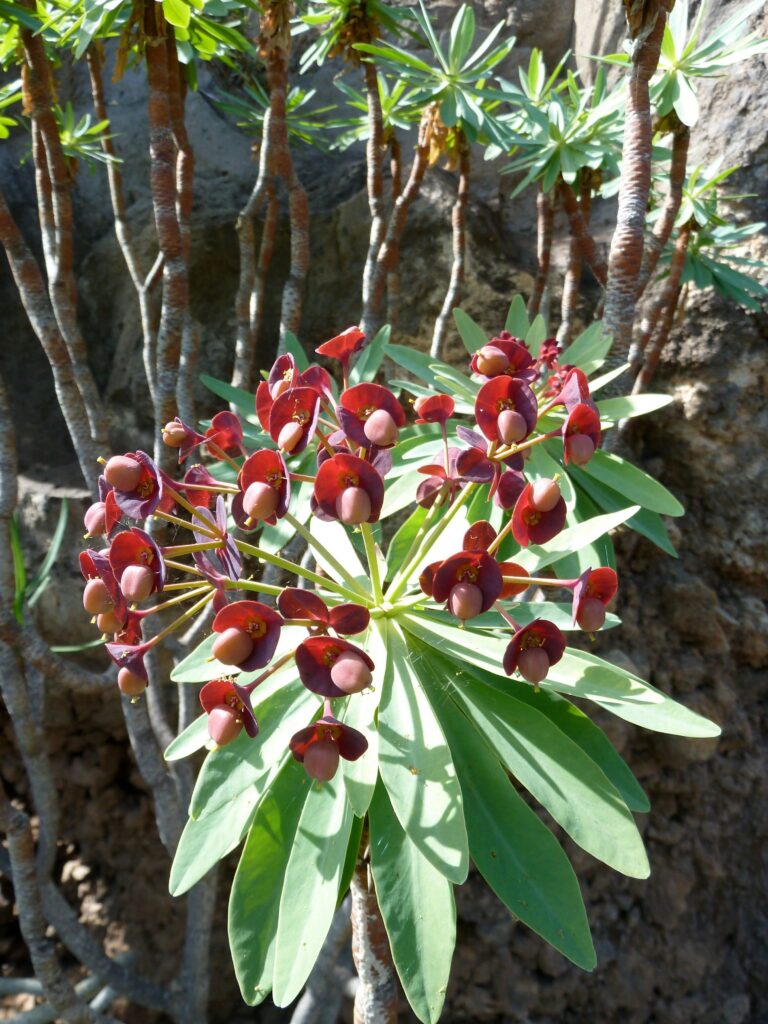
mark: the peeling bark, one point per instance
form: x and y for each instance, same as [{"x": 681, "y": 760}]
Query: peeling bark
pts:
[
  {"x": 572, "y": 279},
  {"x": 459, "y": 248},
  {"x": 393, "y": 277},
  {"x": 376, "y": 996},
  {"x": 375, "y": 182},
  {"x": 582, "y": 234},
  {"x": 545, "y": 216},
  {"x": 662, "y": 231}
]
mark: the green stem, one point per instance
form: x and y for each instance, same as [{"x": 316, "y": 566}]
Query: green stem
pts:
[
  {"x": 260, "y": 588},
  {"x": 428, "y": 520},
  {"x": 323, "y": 551},
  {"x": 373, "y": 561},
  {"x": 182, "y": 618},
  {"x": 297, "y": 570}
]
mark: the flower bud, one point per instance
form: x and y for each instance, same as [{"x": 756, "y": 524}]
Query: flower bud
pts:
[
  {"x": 260, "y": 500},
  {"x": 511, "y": 426},
  {"x": 130, "y": 684},
  {"x": 174, "y": 434},
  {"x": 289, "y": 436},
  {"x": 232, "y": 646},
  {"x": 545, "y": 494},
  {"x": 122, "y": 473},
  {"x": 491, "y": 361},
  {"x": 96, "y": 597},
  {"x": 350, "y": 673},
  {"x": 353, "y": 506},
  {"x": 224, "y": 725},
  {"x": 380, "y": 429},
  {"x": 321, "y": 760},
  {"x": 533, "y": 664},
  {"x": 278, "y": 388},
  {"x": 95, "y": 519},
  {"x": 108, "y": 622},
  {"x": 137, "y": 583},
  {"x": 591, "y": 615},
  {"x": 465, "y": 600},
  {"x": 580, "y": 449}
]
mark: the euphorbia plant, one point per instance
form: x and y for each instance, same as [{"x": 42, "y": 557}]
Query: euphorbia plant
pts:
[{"x": 379, "y": 709}]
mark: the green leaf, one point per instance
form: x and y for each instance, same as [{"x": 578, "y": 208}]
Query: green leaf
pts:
[
  {"x": 517, "y": 318},
  {"x": 625, "y": 406},
  {"x": 333, "y": 536},
  {"x": 535, "y": 334},
  {"x": 369, "y": 360},
  {"x": 19, "y": 569},
  {"x": 241, "y": 399},
  {"x": 350, "y": 859},
  {"x": 176, "y": 13},
  {"x": 294, "y": 347},
  {"x": 536, "y": 557},
  {"x": 360, "y": 776},
  {"x": 311, "y": 887},
  {"x": 192, "y": 739},
  {"x": 514, "y": 851},
  {"x": 633, "y": 483},
  {"x": 462, "y": 34},
  {"x": 417, "y": 908},
  {"x": 415, "y": 764},
  {"x": 258, "y": 883},
  {"x": 401, "y": 542},
  {"x": 555, "y": 771},
  {"x": 36, "y": 586},
  {"x": 591, "y": 346},
  {"x": 470, "y": 333}
]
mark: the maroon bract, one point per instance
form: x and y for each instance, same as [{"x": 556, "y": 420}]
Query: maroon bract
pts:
[
  {"x": 319, "y": 380},
  {"x": 296, "y": 603},
  {"x": 217, "y": 579},
  {"x": 130, "y": 656},
  {"x": 143, "y": 499},
  {"x": 221, "y": 694},
  {"x": 293, "y": 419},
  {"x": 467, "y": 569},
  {"x": 592, "y": 593},
  {"x": 349, "y": 619},
  {"x": 509, "y": 588},
  {"x": 343, "y": 346},
  {"x": 349, "y": 489},
  {"x": 265, "y": 486},
  {"x": 177, "y": 434},
  {"x": 575, "y": 390},
  {"x": 581, "y": 435},
  {"x": 428, "y": 489},
  {"x": 534, "y": 649},
  {"x": 504, "y": 355},
  {"x": 548, "y": 353},
  {"x": 427, "y": 576},
  {"x": 511, "y": 485},
  {"x": 479, "y": 536},
  {"x": 434, "y": 409},
  {"x": 96, "y": 565},
  {"x": 506, "y": 410},
  {"x": 319, "y": 746},
  {"x": 198, "y": 475},
  {"x": 225, "y": 555},
  {"x": 226, "y": 432},
  {"x": 532, "y": 526},
  {"x": 259, "y": 622},
  {"x": 369, "y": 415},
  {"x": 135, "y": 548},
  {"x": 315, "y": 658}
]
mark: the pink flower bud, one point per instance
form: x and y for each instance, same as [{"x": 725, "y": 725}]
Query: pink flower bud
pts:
[
  {"x": 130, "y": 684},
  {"x": 591, "y": 615},
  {"x": 580, "y": 449},
  {"x": 96, "y": 599},
  {"x": 137, "y": 582},
  {"x": 353, "y": 506},
  {"x": 465, "y": 600},
  {"x": 321, "y": 761},
  {"x": 224, "y": 725},
  {"x": 108, "y": 622},
  {"x": 232, "y": 646},
  {"x": 260, "y": 500},
  {"x": 122, "y": 473},
  {"x": 350, "y": 673},
  {"x": 289, "y": 436},
  {"x": 511, "y": 426},
  {"x": 545, "y": 494},
  {"x": 95, "y": 519},
  {"x": 533, "y": 664},
  {"x": 174, "y": 434},
  {"x": 491, "y": 361},
  {"x": 380, "y": 429}
]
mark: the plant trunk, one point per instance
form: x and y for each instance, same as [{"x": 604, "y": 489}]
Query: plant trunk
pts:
[
  {"x": 393, "y": 277},
  {"x": 545, "y": 216},
  {"x": 626, "y": 253},
  {"x": 572, "y": 279},
  {"x": 663, "y": 229},
  {"x": 582, "y": 234},
  {"x": 375, "y": 183},
  {"x": 376, "y": 997},
  {"x": 459, "y": 248}
]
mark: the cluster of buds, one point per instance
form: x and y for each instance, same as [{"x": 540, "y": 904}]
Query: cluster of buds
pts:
[{"x": 137, "y": 575}]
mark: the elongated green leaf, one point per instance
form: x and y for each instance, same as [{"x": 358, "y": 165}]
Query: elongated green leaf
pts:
[
  {"x": 536, "y": 557},
  {"x": 311, "y": 887},
  {"x": 416, "y": 766},
  {"x": 36, "y": 586},
  {"x": 241, "y": 399},
  {"x": 536, "y": 333},
  {"x": 470, "y": 333},
  {"x": 294, "y": 348},
  {"x": 369, "y": 360},
  {"x": 517, "y": 318},
  {"x": 555, "y": 771},
  {"x": 633, "y": 483},
  {"x": 350, "y": 858},
  {"x": 254, "y": 901},
  {"x": 176, "y": 13},
  {"x": 192, "y": 739},
  {"x": 591, "y": 346},
  {"x": 514, "y": 851},
  {"x": 19, "y": 569},
  {"x": 558, "y": 612},
  {"x": 418, "y": 910},
  {"x": 334, "y": 538},
  {"x": 401, "y": 541},
  {"x": 626, "y": 406},
  {"x": 577, "y": 674},
  {"x": 360, "y": 776}
]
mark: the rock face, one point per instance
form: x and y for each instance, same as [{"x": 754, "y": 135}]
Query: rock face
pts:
[{"x": 688, "y": 946}]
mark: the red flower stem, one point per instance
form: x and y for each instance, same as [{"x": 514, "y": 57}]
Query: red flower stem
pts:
[
  {"x": 508, "y": 618},
  {"x": 216, "y": 450},
  {"x": 177, "y": 600},
  {"x": 168, "y": 518},
  {"x": 189, "y": 507},
  {"x": 250, "y": 687},
  {"x": 188, "y": 614},
  {"x": 187, "y": 549}
]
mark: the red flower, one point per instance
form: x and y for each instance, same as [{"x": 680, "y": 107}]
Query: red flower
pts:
[
  {"x": 469, "y": 581},
  {"x": 227, "y": 432},
  {"x": 317, "y": 660},
  {"x": 177, "y": 434},
  {"x": 594, "y": 590},
  {"x": 434, "y": 409},
  {"x": 510, "y": 589},
  {"x": 94, "y": 565},
  {"x": 137, "y": 564},
  {"x": 533, "y": 649},
  {"x": 506, "y": 410},
  {"x": 225, "y": 556},
  {"x": 548, "y": 353},
  {"x": 511, "y": 485},
  {"x": 138, "y": 488},
  {"x": 343, "y": 346},
  {"x": 531, "y": 525},
  {"x": 229, "y": 711},
  {"x": 265, "y": 488},
  {"x": 504, "y": 355},
  {"x": 293, "y": 419},
  {"x": 248, "y": 633},
  {"x": 198, "y": 474},
  {"x": 428, "y": 489},
  {"x": 371, "y": 415},
  {"x": 479, "y": 536},
  {"x": 349, "y": 489},
  {"x": 581, "y": 434},
  {"x": 319, "y": 746},
  {"x": 295, "y": 603}
]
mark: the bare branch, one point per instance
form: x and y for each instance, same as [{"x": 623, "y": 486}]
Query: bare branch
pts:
[
  {"x": 545, "y": 215},
  {"x": 459, "y": 247},
  {"x": 662, "y": 230},
  {"x": 375, "y": 184},
  {"x": 376, "y": 996}
]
